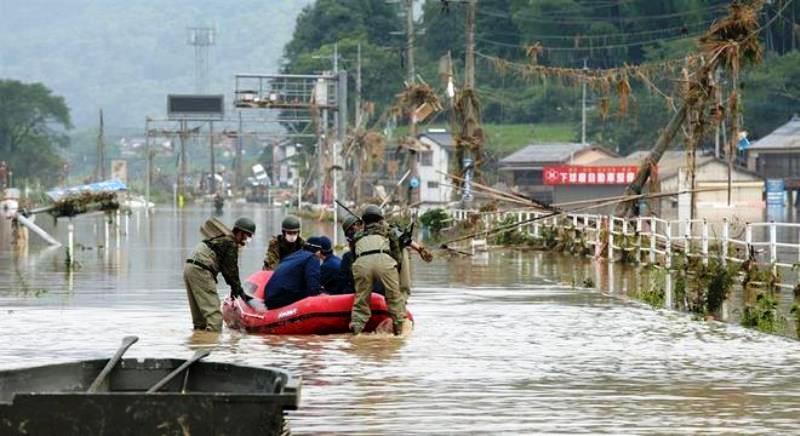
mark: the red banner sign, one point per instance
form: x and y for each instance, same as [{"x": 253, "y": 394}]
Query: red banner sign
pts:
[{"x": 589, "y": 175}]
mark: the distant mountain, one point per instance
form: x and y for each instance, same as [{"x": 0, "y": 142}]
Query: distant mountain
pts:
[{"x": 125, "y": 56}]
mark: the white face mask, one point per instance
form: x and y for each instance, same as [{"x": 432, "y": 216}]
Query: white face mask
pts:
[{"x": 290, "y": 237}]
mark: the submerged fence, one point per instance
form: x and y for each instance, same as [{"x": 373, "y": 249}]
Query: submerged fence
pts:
[{"x": 658, "y": 241}]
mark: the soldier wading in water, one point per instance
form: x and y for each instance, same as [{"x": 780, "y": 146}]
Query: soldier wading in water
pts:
[
  {"x": 378, "y": 255},
  {"x": 284, "y": 244},
  {"x": 219, "y": 253}
]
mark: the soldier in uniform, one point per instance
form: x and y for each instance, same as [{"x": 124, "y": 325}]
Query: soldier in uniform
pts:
[
  {"x": 284, "y": 244},
  {"x": 213, "y": 256},
  {"x": 378, "y": 254}
]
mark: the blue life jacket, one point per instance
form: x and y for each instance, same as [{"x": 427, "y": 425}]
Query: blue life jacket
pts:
[
  {"x": 347, "y": 283},
  {"x": 295, "y": 278},
  {"x": 329, "y": 274}
]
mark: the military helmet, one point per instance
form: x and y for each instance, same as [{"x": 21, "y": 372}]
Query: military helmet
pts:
[
  {"x": 290, "y": 223},
  {"x": 246, "y": 225},
  {"x": 372, "y": 212},
  {"x": 349, "y": 222}
]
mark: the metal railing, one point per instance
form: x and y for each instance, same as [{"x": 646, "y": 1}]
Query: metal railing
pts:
[{"x": 654, "y": 239}]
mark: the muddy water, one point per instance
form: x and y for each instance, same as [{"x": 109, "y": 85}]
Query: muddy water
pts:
[{"x": 499, "y": 346}]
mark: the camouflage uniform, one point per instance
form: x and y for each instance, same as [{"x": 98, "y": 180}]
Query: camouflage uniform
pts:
[
  {"x": 279, "y": 248},
  {"x": 378, "y": 254},
  {"x": 211, "y": 257},
  {"x": 405, "y": 275},
  {"x": 404, "y": 262}
]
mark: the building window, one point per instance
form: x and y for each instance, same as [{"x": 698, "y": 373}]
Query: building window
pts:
[
  {"x": 426, "y": 158},
  {"x": 433, "y": 185}
]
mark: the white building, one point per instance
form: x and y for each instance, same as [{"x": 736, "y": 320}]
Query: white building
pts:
[{"x": 433, "y": 161}]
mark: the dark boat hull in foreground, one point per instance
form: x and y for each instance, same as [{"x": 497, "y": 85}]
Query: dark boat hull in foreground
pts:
[{"x": 208, "y": 399}]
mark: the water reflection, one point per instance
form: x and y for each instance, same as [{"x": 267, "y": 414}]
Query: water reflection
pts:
[{"x": 505, "y": 342}]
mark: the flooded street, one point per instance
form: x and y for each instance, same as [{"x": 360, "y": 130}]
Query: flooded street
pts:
[{"x": 499, "y": 344}]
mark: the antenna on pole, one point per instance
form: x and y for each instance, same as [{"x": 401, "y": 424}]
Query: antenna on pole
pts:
[{"x": 201, "y": 38}]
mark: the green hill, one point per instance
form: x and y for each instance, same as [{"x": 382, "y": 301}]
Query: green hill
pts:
[{"x": 125, "y": 56}]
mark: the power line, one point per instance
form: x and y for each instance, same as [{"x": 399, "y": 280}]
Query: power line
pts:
[
  {"x": 572, "y": 37},
  {"x": 596, "y": 47},
  {"x": 544, "y": 19}
]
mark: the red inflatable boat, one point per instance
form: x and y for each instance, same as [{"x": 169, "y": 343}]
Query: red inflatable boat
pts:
[{"x": 319, "y": 315}]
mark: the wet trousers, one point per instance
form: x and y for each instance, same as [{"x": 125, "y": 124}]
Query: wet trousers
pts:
[
  {"x": 201, "y": 289},
  {"x": 367, "y": 269}
]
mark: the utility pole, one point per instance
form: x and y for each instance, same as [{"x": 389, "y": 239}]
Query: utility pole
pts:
[
  {"x": 149, "y": 165},
  {"x": 100, "y": 169},
  {"x": 182, "y": 173},
  {"x": 583, "y": 107},
  {"x": 239, "y": 147},
  {"x": 358, "y": 86},
  {"x": 469, "y": 61},
  {"x": 469, "y": 111},
  {"x": 357, "y": 158},
  {"x": 411, "y": 74},
  {"x": 734, "y": 137},
  {"x": 213, "y": 183}
]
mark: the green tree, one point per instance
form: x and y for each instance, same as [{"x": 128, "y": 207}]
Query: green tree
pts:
[
  {"x": 32, "y": 125},
  {"x": 771, "y": 93}
]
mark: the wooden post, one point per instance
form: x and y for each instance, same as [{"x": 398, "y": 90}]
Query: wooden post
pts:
[
  {"x": 687, "y": 238},
  {"x": 773, "y": 245},
  {"x": 638, "y": 239},
  {"x": 704, "y": 242},
  {"x": 725, "y": 237},
  {"x": 748, "y": 240},
  {"x": 70, "y": 244},
  {"x": 653, "y": 233},
  {"x": 668, "y": 246},
  {"x": 610, "y": 240},
  {"x": 598, "y": 245}
]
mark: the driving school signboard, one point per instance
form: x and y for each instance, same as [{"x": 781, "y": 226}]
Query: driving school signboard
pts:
[{"x": 589, "y": 175}]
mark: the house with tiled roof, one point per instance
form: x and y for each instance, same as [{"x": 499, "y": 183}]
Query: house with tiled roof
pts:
[{"x": 524, "y": 169}]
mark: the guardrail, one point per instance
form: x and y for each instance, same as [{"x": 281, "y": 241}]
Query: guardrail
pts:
[{"x": 654, "y": 239}]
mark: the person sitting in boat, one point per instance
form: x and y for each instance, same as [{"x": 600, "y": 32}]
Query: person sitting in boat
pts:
[
  {"x": 346, "y": 283},
  {"x": 329, "y": 270},
  {"x": 296, "y": 277},
  {"x": 281, "y": 246},
  {"x": 218, "y": 253}
]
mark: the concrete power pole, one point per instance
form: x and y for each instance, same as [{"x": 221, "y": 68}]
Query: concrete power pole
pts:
[
  {"x": 100, "y": 169},
  {"x": 411, "y": 73},
  {"x": 470, "y": 113},
  {"x": 469, "y": 61},
  {"x": 357, "y": 159},
  {"x": 181, "y": 185},
  {"x": 238, "y": 160},
  {"x": 583, "y": 107},
  {"x": 213, "y": 182}
]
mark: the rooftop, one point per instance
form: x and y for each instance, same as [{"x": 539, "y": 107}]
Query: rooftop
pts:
[
  {"x": 439, "y": 136},
  {"x": 555, "y": 152},
  {"x": 668, "y": 166},
  {"x": 785, "y": 137}
]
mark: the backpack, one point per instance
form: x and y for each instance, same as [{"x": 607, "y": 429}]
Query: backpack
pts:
[{"x": 213, "y": 228}]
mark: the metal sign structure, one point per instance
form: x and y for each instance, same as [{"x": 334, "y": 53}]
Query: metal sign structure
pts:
[
  {"x": 306, "y": 103},
  {"x": 195, "y": 107}
]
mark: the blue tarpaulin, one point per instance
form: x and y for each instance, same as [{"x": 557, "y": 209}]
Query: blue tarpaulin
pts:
[{"x": 106, "y": 186}]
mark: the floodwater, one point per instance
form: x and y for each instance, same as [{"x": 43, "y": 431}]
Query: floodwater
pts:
[{"x": 503, "y": 343}]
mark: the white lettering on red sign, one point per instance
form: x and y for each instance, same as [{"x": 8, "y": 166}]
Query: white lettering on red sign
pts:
[{"x": 588, "y": 175}]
